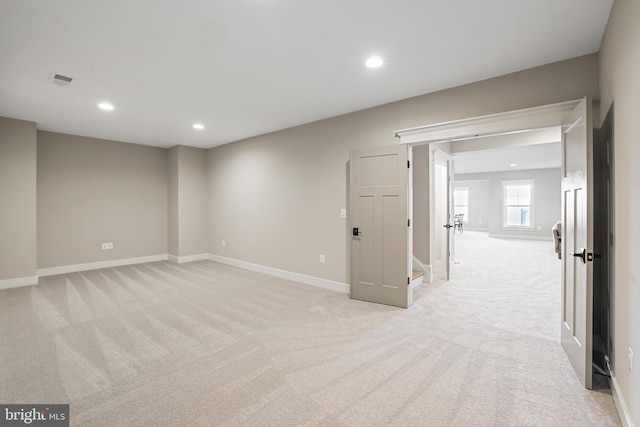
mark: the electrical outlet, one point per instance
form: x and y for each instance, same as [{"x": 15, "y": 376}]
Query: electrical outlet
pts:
[
  {"x": 107, "y": 246},
  {"x": 322, "y": 259},
  {"x": 224, "y": 243},
  {"x": 630, "y": 361}
]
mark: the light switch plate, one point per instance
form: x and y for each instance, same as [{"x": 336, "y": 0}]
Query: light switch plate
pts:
[{"x": 343, "y": 213}]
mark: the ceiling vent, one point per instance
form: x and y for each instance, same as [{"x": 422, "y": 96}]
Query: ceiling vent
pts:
[{"x": 60, "y": 80}]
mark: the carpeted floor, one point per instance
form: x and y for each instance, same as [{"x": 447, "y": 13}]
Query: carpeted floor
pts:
[{"x": 205, "y": 344}]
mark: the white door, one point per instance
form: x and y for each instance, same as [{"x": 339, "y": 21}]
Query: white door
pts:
[
  {"x": 442, "y": 225},
  {"x": 380, "y": 268},
  {"x": 577, "y": 240}
]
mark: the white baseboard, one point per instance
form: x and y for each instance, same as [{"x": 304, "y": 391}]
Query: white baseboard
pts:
[
  {"x": 467, "y": 228},
  {"x": 18, "y": 282},
  {"x": 429, "y": 276},
  {"x": 288, "y": 275},
  {"x": 521, "y": 237},
  {"x": 51, "y": 271},
  {"x": 282, "y": 274},
  {"x": 621, "y": 406},
  {"x": 188, "y": 258}
]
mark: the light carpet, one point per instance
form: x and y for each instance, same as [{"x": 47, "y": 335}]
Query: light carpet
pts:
[{"x": 204, "y": 344}]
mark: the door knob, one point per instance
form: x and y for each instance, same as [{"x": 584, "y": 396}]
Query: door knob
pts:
[
  {"x": 448, "y": 226},
  {"x": 582, "y": 255},
  {"x": 356, "y": 232}
]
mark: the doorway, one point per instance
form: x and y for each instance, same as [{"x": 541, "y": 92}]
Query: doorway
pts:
[{"x": 500, "y": 125}]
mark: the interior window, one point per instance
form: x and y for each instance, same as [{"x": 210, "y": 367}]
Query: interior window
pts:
[
  {"x": 517, "y": 199},
  {"x": 461, "y": 202}
]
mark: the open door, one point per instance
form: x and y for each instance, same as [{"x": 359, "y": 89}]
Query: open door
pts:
[
  {"x": 577, "y": 240},
  {"x": 380, "y": 256},
  {"x": 443, "y": 230}
]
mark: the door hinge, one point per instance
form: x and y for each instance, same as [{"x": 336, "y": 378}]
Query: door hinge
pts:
[
  {"x": 408, "y": 280},
  {"x": 408, "y": 223},
  {"x": 408, "y": 164}
]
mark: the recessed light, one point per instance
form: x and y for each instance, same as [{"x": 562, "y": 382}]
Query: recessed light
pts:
[
  {"x": 105, "y": 106},
  {"x": 513, "y": 165},
  {"x": 374, "y": 62},
  {"x": 198, "y": 126}
]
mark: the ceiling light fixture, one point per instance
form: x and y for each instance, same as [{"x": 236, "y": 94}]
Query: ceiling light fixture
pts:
[
  {"x": 374, "y": 62},
  {"x": 198, "y": 126},
  {"x": 105, "y": 106}
]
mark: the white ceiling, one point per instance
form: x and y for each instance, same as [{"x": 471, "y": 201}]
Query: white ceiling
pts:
[
  {"x": 247, "y": 67},
  {"x": 540, "y": 156},
  {"x": 526, "y": 149}
]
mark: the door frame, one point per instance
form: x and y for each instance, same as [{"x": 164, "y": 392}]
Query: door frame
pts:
[
  {"x": 604, "y": 272},
  {"x": 536, "y": 118},
  {"x": 540, "y": 117},
  {"x": 490, "y": 128}
]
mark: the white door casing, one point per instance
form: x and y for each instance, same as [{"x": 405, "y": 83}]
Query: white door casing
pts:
[
  {"x": 379, "y": 205},
  {"x": 577, "y": 240}
]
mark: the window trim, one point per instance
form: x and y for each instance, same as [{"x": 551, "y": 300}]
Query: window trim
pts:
[{"x": 505, "y": 184}]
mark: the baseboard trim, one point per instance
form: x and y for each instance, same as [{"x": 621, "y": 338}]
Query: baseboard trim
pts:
[
  {"x": 429, "y": 276},
  {"x": 188, "y": 258},
  {"x": 282, "y": 274},
  {"x": 621, "y": 406},
  {"x": 521, "y": 237},
  {"x": 52, "y": 271},
  {"x": 18, "y": 282}
]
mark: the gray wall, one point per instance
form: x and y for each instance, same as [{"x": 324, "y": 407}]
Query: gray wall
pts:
[
  {"x": 276, "y": 198},
  {"x": 487, "y": 201},
  {"x": 188, "y": 201},
  {"x": 620, "y": 85},
  {"x": 17, "y": 199},
  {"x": 421, "y": 211},
  {"x": 277, "y": 202},
  {"x": 92, "y": 191},
  {"x": 173, "y": 200}
]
